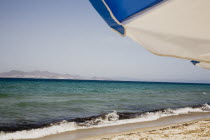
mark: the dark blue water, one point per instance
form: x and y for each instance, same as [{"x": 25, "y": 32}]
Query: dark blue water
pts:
[{"x": 35, "y": 101}]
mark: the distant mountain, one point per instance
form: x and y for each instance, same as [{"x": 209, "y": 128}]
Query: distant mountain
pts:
[
  {"x": 37, "y": 74},
  {"x": 44, "y": 75}
]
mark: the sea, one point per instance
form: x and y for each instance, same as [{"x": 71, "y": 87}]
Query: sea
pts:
[{"x": 33, "y": 108}]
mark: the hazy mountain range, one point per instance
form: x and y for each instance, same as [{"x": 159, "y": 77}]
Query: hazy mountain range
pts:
[{"x": 44, "y": 75}]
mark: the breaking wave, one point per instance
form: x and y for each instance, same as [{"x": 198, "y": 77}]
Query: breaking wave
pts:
[{"x": 109, "y": 119}]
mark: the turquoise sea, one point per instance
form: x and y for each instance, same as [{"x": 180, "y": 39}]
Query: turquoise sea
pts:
[{"x": 27, "y": 104}]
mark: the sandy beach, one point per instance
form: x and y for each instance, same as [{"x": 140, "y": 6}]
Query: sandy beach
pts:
[
  {"x": 194, "y": 130},
  {"x": 194, "y": 126}
]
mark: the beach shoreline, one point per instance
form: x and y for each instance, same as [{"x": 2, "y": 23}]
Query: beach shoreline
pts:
[
  {"x": 82, "y": 109},
  {"x": 192, "y": 130},
  {"x": 133, "y": 130}
]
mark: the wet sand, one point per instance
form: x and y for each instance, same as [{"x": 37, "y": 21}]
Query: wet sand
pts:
[
  {"x": 195, "y": 130},
  {"x": 189, "y": 126}
]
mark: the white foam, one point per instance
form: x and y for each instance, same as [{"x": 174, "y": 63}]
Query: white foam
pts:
[
  {"x": 150, "y": 116},
  {"x": 41, "y": 132},
  {"x": 109, "y": 120}
]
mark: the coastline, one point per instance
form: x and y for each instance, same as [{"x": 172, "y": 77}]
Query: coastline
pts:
[
  {"x": 127, "y": 131},
  {"x": 193, "y": 130}
]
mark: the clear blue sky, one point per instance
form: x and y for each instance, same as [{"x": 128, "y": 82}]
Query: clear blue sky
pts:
[{"x": 68, "y": 36}]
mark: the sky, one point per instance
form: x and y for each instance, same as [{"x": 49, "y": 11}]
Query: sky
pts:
[{"x": 68, "y": 36}]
